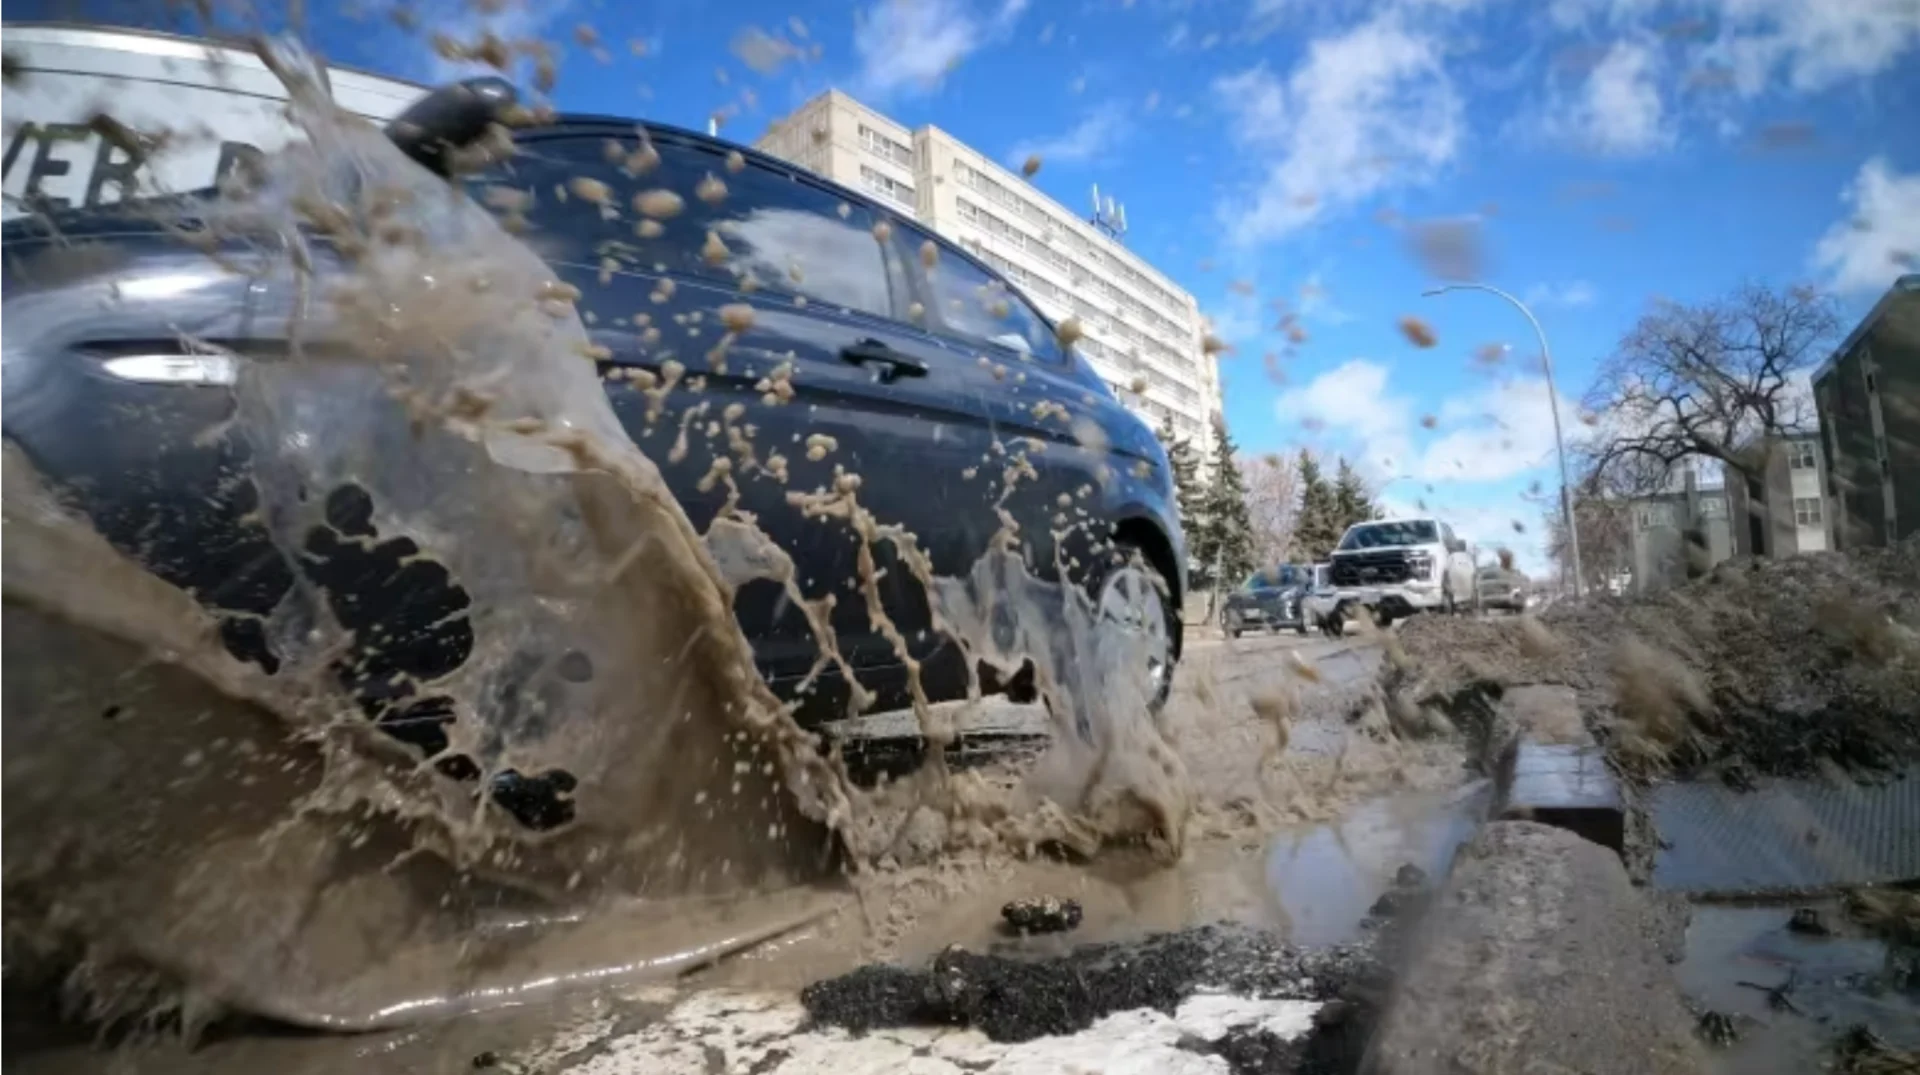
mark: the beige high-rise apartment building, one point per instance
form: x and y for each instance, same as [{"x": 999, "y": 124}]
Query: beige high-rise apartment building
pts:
[{"x": 1139, "y": 325}]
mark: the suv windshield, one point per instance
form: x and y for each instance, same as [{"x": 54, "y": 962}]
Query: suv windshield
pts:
[
  {"x": 1390, "y": 535},
  {"x": 1284, "y": 575}
]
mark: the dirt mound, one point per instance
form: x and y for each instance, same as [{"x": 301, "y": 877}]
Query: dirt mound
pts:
[{"x": 1771, "y": 666}]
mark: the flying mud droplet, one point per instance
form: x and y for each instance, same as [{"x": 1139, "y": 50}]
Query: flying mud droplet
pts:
[
  {"x": 1302, "y": 667},
  {"x": 1068, "y": 332},
  {"x": 1212, "y": 345},
  {"x": 736, "y": 163},
  {"x": 1428, "y": 421},
  {"x": 1031, "y": 166},
  {"x": 659, "y": 204},
  {"x": 1448, "y": 249},
  {"x": 883, "y": 230},
  {"x": 713, "y": 251},
  {"x": 643, "y": 160},
  {"x": 1417, "y": 332},
  {"x": 929, "y": 254},
  {"x": 820, "y": 445},
  {"x": 737, "y": 317},
  {"x": 1138, "y": 386},
  {"x": 711, "y": 189}
]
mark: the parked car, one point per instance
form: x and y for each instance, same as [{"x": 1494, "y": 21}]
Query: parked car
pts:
[
  {"x": 1397, "y": 567},
  {"x": 1502, "y": 589},
  {"x": 904, "y": 366},
  {"x": 1268, "y": 600},
  {"x": 1321, "y": 600}
]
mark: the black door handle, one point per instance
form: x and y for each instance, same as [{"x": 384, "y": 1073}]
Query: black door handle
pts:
[{"x": 888, "y": 362}]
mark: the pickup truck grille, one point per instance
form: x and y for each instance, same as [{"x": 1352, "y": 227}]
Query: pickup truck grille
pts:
[{"x": 1371, "y": 568}]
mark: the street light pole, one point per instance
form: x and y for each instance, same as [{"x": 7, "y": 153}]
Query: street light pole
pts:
[{"x": 1553, "y": 399}]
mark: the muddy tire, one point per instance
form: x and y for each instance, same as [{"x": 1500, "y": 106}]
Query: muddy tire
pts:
[
  {"x": 1133, "y": 595},
  {"x": 1337, "y": 622}
]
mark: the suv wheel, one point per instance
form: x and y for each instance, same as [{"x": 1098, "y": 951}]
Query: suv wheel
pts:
[{"x": 1132, "y": 597}]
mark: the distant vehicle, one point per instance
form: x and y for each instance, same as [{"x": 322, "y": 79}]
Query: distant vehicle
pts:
[
  {"x": 1502, "y": 589},
  {"x": 1269, "y": 600},
  {"x": 1320, "y": 601},
  {"x": 902, "y": 366},
  {"x": 1397, "y": 567}
]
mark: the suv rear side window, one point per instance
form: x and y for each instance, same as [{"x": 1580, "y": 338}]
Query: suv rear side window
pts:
[
  {"x": 970, "y": 302},
  {"x": 591, "y": 198}
]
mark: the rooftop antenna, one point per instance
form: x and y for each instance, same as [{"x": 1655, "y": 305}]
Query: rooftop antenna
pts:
[{"x": 1108, "y": 216}]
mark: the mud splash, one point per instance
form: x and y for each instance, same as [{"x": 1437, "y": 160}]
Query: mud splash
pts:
[{"x": 257, "y": 839}]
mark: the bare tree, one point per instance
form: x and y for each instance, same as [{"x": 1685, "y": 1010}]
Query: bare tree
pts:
[
  {"x": 1271, "y": 497},
  {"x": 1717, "y": 380},
  {"x": 1606, "y": 536}
]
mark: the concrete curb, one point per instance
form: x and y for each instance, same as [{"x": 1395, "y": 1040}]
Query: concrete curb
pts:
[
  {"x": 1537, "y": 954},
  {"x": 1551, "y": 770}
]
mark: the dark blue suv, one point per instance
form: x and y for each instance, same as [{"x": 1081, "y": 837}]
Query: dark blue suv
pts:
[{"x": 911, "y": 374}]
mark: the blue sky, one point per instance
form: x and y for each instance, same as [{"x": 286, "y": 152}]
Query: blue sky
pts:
[{"x": 1602, "y": 152}]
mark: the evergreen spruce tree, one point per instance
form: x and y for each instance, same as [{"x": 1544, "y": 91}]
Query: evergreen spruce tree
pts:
[
  {"x": 1190, "y": 497},
  {"x": 1227, "y": 546},
  {"x": 1317, "y": 526},
  {"x": 1351, "y": 501}
]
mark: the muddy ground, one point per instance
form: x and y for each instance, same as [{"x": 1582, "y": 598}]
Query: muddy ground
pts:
[{"x": 1778, "y": 667}]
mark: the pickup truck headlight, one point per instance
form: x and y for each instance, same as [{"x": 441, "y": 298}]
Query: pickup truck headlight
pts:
[{"x": 1422, "y": 565}]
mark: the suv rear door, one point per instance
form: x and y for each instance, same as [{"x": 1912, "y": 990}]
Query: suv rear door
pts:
[
  {"x": 1010, "y": 389},
  {"x": 767, "y": 298}
]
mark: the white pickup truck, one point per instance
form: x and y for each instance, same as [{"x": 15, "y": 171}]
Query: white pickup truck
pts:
[{"x": 1392, "y": 568}]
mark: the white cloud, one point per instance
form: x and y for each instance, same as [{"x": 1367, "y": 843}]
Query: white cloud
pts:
[
  {"x": 465, "y": 24},
  {"x": 1316, "y": 304},
  {"x": 909, "y": 46},
  {"x": 1813, "y": 44},
  {"x": 1092, "y": 137},
  {"x": 1880, "y": 236},
  {"x": 1570, "y": 295},
  {"x": 1617, "y": 110},
  {"x": 1354, "y": 404},
  {"x": 1364, "y": 110},
  {"x": 1809, "y": 44},
  {"x": 1498, "y": 433}
]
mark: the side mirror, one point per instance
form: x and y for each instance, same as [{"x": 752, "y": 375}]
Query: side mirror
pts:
[
  {"x": 434, "y": 129},
  {"x": 1456, "y": 545}
]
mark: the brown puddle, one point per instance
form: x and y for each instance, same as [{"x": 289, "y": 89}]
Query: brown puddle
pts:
[{"x": 1736, "y": 954}]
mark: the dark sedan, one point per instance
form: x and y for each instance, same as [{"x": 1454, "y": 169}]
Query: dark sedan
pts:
[
  {"x": 903, "y": 369},
  {"x": 1269, "y": 600}
]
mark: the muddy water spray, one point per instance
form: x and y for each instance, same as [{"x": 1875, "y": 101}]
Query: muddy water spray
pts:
[{"x": 256, "y": 837}]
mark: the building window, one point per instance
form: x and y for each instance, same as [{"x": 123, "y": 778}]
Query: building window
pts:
[
  {"x": 1800, "y": 455},
  {"x": 885, "y": 148},
  {"x": 1713, "y": 507},
  {"x": 1655, "y": 515},
  {"x": 1806, "y": 510},
  {"x": 886, "y": 186}
]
